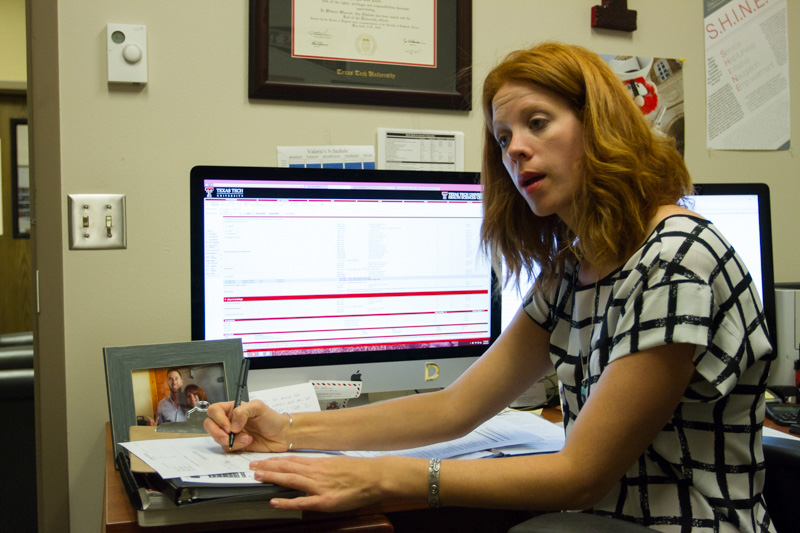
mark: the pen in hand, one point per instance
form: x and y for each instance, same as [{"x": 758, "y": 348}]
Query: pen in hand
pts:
[{"x": 239, "y": 389}]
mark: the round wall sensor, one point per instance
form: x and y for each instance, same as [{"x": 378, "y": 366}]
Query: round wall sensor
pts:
[{"x": 132, "y": 53}]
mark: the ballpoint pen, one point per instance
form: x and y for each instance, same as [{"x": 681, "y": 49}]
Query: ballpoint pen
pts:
[{"x": 239, "y": 389}]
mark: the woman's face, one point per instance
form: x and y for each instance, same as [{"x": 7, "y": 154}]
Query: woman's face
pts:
[
  {"x": 541, "y": 139},
  {"x": 193, "y": 398}
]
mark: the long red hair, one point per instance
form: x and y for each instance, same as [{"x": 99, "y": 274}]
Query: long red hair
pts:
[{"x": 628, "y": 170}]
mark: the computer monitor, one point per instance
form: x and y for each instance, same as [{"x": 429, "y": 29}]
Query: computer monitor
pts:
[
  {"x": 741, "y": 211},
  {"x": 330, "y": 274}
]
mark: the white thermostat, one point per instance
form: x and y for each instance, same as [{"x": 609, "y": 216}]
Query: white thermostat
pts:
[{"x": 127, "y": 53}]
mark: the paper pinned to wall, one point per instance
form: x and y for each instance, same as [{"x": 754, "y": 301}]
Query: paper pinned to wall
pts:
[
  {"x": 420, "y": 150},
  {"x": 747, "y": 75},
  {"x": 350, "y": 157}
]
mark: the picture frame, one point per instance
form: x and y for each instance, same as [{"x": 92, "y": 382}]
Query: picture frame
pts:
[
  {"x": 20, "y": 179},
  {"x": 334, "y": 67},
  {"x": 121, "y": 362}
]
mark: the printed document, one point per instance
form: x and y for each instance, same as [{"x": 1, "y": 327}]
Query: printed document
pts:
[
  {"x": 202, "y": 456},
  {"x": 747, "y": 75}
]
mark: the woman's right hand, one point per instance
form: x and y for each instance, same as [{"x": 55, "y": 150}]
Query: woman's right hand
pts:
[{"x": 257, "y": 427}]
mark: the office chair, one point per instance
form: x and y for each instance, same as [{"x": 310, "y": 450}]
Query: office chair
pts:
[
  {"x": 572, "y": 522},
  {"x": 781, "y": 492},
  {"x": 18, "y": 475},
  {"x": 782, "y": 482}
]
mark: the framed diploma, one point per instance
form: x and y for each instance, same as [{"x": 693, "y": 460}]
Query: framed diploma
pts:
[{"x": 410, "y": 53}]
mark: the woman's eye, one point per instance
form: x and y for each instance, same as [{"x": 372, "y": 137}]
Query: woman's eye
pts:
[
  {"x": 537, "y": 123},
  {"x": 503, "y": 140}
]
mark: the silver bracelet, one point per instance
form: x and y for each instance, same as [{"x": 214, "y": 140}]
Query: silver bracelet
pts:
[
  {"x": 291, "y": 423},
  {"x": 433, "y": 483}
]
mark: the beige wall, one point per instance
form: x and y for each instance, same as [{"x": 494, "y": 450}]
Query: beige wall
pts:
[
  {"x": 143, "y": 141},
  {"x": 12, "y": 41}
]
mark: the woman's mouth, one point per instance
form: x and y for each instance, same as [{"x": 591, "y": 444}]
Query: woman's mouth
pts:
[{"x": 530, "y": 181}]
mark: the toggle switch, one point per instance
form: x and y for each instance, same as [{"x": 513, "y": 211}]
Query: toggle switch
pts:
[{"x": 96, "y": 221}]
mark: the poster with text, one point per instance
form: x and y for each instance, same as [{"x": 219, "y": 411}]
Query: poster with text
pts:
[{"x": 747, "y": 74}]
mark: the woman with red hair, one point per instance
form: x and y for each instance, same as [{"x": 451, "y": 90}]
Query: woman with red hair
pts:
[{"x": 651, "y": 320}]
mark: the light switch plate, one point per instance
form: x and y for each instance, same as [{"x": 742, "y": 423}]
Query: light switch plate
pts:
[
  {"x": 97, "y": 221},
  {"x": 127, "y": 53}
]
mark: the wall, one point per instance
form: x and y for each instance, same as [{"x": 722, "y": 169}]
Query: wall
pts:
[
  {"x": 12, "y": 41},
  {"x": 143, "y": 142}
]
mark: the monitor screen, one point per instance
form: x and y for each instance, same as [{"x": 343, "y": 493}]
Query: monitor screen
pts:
[
  {"x": 321, "y": 267},
  {"x": 741, "y": 212}
]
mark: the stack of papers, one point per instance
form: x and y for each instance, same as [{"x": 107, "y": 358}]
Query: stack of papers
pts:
[
  {"x": 197, "y": 470},
  {"x": 509, "y": 433}
]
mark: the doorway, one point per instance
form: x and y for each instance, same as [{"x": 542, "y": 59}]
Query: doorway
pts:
[{"x": 16, "y": 284}]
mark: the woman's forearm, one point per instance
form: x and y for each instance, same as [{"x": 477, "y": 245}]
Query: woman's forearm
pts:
[{"x": 400, "y": 423}]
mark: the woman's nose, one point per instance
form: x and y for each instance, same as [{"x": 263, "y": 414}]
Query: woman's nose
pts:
[{"x": 517, "y": 148}]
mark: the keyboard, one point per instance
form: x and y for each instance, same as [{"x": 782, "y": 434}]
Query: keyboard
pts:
[{"x": 784, "y": 414}]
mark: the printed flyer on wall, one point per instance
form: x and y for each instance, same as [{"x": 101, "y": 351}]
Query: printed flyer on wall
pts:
[{"x": 747, "y": 74}]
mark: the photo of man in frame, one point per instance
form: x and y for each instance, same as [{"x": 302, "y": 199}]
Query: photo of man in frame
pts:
[
  {"x": 162, "y": 394},
  {"x": 173, "y": 407}
]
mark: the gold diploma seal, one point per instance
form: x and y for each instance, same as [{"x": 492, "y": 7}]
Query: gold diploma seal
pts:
[
  {"x": 365, "y": 44},
  {"x": 431, "y": 367}
]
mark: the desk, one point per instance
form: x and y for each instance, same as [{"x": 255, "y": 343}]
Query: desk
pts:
[
  {"x": 119, "y": 516},
  {"x": 772, "y": 425}
]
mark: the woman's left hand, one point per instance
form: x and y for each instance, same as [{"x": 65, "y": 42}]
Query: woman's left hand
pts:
[{"x": 336, "y": 483}]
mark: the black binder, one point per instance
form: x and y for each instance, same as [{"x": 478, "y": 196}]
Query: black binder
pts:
[
  {"x": 181, "y": 493},
  {"x": 129, "y": 480}
]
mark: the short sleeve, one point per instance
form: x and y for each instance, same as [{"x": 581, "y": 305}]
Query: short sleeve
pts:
[
  {"x": 693, "y": 288},
  {"x": 538, "y": 308},
  {"x": 678, "y": 312}
]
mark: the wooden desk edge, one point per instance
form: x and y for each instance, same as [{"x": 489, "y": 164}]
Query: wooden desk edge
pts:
[
  {"x": 118, "y": 513},
  {"x": 119, "y": 516}
]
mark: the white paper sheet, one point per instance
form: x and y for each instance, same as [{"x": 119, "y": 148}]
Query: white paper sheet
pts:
[
  {"x": 769, "y": 432},
  {"x": 290, "y": 399},
  {"x": 352, "y": 157},
  {"x": 196, "y": 456},
  {"x": 202, "y": 456},
  {"x": 500, "y": 433},
  {"x": 375, "y": 31},
  {"x": 420, "y": 150},
  {"x": 229, "y": 478},
  {"x": 336, "y": 390},
  {"x": 747, "y": 75}
]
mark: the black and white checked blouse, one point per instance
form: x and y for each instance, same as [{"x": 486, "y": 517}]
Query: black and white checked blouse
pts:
[{"x": 704, "y": 472}]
